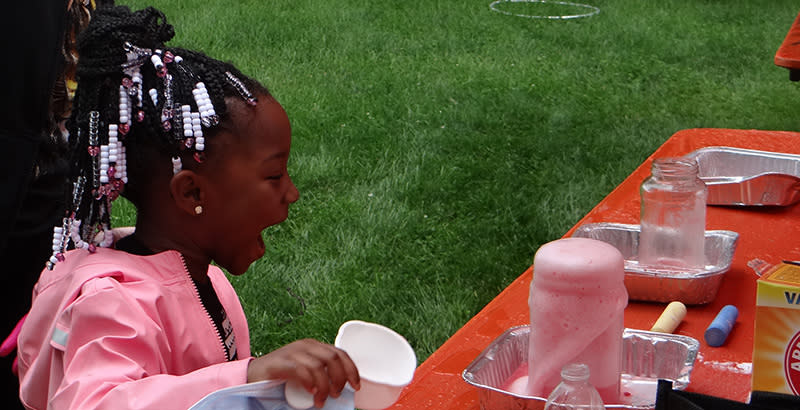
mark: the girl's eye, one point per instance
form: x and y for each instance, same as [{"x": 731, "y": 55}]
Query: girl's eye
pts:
[{"x": 275, "y": 177}]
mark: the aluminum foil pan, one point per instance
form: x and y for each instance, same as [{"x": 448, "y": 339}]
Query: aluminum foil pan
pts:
[
  {"x": 647, "y": 357},
  {"x": 692, "y": 287},
  {"x": 736, "y": 176}
]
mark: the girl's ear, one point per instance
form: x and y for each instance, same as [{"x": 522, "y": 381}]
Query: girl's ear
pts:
[{"x": 187, "y": 191}]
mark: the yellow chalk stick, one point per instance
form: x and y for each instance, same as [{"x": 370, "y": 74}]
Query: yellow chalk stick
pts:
[{"x": 670, "y": 318}]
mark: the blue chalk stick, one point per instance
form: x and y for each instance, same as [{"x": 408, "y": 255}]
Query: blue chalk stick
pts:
[{"x": 719, "y": 329}]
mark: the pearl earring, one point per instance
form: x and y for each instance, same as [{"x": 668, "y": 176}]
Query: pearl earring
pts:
[{"x": 198, "y": 210}]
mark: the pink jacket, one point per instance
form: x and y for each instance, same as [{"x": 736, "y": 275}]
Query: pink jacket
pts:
[{"x": 111, "y": 330}]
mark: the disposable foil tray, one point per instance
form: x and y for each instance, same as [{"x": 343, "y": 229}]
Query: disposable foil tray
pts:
[
  {"x": 647, "y": 357},
  {"x": 736, "y": 176},
  {"x": 646, "y": 283}
]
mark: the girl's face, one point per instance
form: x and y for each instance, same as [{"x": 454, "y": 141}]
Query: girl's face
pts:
[{"x": 249, "y": 186}]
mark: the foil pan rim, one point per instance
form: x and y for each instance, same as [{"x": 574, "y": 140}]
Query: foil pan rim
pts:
[
  {"x": 747, "y": 152},
  {"x": 692, "y": 346},
  {"x": 746, "y": 177},
  {"x": 634, "y": 269}
]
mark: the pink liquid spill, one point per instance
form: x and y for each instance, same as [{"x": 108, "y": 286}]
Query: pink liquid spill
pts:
[{"x": 517, "y": 383}]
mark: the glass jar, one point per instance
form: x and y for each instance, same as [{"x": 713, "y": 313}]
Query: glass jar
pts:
[
  {"x": 673, "y": 215},
  {"x": 577, "y": 302}
]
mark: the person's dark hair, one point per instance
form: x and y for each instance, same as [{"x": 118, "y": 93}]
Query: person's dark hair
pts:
[{"x": 141, "y": 108}]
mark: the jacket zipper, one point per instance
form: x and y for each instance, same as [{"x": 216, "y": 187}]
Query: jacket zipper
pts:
[{"x": 208, "y": 315}]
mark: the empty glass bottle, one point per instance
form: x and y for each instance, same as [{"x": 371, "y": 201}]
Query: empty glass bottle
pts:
[
  {"x": 673, "y": 215},
  {"x": 574, "y": 392}
]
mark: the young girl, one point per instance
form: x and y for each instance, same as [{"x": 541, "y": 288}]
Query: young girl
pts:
[{"x": 201, "y": 151}]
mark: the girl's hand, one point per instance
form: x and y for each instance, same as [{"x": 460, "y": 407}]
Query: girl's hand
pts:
[{"x": 320, "y": 368}]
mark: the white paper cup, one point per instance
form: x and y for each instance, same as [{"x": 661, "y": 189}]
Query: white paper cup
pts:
[{"x": 385, "y": 361}]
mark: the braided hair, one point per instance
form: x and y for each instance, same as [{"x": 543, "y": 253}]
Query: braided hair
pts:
[{"x": 138, "y": 104}]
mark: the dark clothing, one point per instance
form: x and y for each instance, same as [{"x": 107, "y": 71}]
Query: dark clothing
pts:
[
  {"x": 30, "y": 189},
  {"x": 209, "y": 299}
]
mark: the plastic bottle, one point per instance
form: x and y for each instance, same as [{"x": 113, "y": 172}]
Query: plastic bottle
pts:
[
  {"x": 577, "y": 302},
  {"x": 574, "y": 392},
  {"x": 673, "y": 215}
]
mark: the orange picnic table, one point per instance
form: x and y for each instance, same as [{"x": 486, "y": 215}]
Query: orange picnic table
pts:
[
  {"x": 788, "y": 54},
  {"x": 771, "y": 234}
]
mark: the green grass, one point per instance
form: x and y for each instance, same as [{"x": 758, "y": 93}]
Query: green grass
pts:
[{"x": 438, "y": 144}]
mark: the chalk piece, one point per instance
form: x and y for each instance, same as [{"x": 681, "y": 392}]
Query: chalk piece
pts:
[
  {"x": 719, "y": 329},
  {"x": 670, "y": 318}
]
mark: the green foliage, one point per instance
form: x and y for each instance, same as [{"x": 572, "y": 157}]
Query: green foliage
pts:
[{"x": 438, "y": 144}]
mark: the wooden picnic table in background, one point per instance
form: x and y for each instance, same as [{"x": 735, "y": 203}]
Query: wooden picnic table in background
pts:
[{"x": 788, "y": 54}]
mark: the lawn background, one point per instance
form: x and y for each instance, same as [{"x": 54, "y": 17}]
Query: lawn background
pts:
[{"x": 438, "y": 144}]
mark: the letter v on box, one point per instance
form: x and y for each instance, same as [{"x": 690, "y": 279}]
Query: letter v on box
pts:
[{"x": 776, "y": 342}]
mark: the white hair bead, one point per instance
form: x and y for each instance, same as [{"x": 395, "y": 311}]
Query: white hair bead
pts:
[
  {"x": 153, "y": 95},
  {"x": 176, "y": 165},
  {"x": 123, "y": 165},
  {"x": 156, "y": 60}
]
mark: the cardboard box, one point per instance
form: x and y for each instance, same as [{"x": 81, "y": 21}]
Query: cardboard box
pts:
[{"x": 776, "y": 339}]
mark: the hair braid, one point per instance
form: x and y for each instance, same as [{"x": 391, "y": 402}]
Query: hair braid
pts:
[{"x": 138, "y": 103}]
